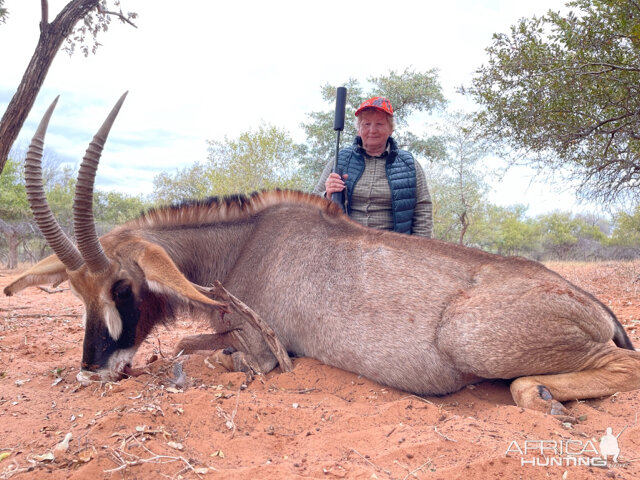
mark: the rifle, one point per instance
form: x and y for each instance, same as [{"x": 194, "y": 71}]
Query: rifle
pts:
[{"x": 338, "y": 126}]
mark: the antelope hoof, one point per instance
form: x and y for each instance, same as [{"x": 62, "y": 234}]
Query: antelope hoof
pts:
[
  {"x": 535, "y": 396},
  {"x": 235, "y": 361},
  {"x": 553, "y": 406}
]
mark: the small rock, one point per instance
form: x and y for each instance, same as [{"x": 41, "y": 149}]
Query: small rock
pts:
[
  {"x": 45, "y": 457},
  {"x": 63, "y": 446},
  {"x": 86, "y": 378}
]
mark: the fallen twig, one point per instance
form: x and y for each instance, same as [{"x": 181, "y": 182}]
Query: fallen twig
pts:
[
  {"x": 276, "y": 347},
  {"x": 442, "y": 435},
  {"x": 230, "y": 419},
  {"x": 10, "y": 472},
  {"x": 420, "y": 399},
  {"x": 370, "y": 462},
  {"x": 155, "y": 458},
  {"x": 304, "y": 390},
  {"x": 412, "y": 473},
  {"x": 140, "y": 461}
]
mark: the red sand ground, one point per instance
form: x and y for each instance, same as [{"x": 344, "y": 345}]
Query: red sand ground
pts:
[{"x": 315, "y": 422}]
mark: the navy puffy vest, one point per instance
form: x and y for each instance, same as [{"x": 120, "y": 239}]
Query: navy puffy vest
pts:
[{"x": 401, "y": 173}]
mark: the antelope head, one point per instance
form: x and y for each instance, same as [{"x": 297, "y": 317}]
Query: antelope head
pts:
[{"x": 127, "y": 284}]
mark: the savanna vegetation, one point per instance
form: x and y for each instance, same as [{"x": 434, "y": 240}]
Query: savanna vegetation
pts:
[{"x": 558, "y": 93}]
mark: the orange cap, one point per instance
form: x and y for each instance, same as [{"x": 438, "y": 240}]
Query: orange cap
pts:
[{"x": 379, "y": 103}]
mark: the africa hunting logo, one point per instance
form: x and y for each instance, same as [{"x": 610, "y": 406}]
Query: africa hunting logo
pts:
[{"x": 547, "y": 453}]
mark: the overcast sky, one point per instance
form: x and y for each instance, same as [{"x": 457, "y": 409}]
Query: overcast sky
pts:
[{"x": 198, "y": 70}]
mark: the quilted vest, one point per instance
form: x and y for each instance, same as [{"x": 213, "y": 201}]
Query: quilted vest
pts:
[{"x": 401, "y": 174}]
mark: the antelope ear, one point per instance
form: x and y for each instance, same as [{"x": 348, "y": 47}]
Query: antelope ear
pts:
[
  {"x": 164, "y": 277},
  {"x": 49, "y": 270}
]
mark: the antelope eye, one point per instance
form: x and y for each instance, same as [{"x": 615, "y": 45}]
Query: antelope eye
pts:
[{"x": 121, "y": 290}]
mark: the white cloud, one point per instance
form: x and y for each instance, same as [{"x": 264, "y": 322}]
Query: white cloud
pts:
[{"x": 203, "y": 69}]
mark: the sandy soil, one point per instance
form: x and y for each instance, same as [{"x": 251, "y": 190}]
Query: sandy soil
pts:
[{"x": 315, "y": 422}]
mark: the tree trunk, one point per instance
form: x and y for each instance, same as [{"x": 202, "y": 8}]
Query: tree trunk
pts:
[
  {"x": 13, "y": 241},
  {"x": 464, "y": 222},
  {"x": 51, "y": 37}
]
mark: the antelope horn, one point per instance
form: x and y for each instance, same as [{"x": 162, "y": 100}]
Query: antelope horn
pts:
[
  {"x": 53, "y": 234},
  {"x": 83, "y": 220}
]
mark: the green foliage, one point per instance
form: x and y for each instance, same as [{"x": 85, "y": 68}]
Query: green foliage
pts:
[
  {"x": 559, "y": 229},
  {"x": 460, "y": 189},
  {"x": 16, "y": 223},
  {"x": 409, "y": 92},
  {"x": 109, "y": 208},
  {"x": 13, "y": 196},
  {"x": 565, "y": 90},
  {"x": 113, "y": 208},
  {"x": 60, "y": 190},
  {"x": 190, "y": 182},
  {"x": 567, "y": 236},
  {"x": 21, "y": 238},
  {"x": 455, "y": 206},
  {"x": 626, "y": 231},
  {"x": 502, "y": 230},
  {"x": 554, "y": 236},
  {"x": 264, "y": 159},
  {"x": 564, "y": 229},
  {"x": 509, "y": 232}
]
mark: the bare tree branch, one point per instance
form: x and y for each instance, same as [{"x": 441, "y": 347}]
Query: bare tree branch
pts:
[
  {"x": 52, "y": 36},
  {"x": 44, "y": 20},
  {"x": 120, "y": 15}
]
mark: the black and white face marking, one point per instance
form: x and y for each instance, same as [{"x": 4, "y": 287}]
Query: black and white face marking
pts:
[{"x": 110, "y": 332}]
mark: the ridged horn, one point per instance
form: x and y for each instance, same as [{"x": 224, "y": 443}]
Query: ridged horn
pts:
[
  {"x": 83, "y": 220},
  {"x": 53, "y": 234}
]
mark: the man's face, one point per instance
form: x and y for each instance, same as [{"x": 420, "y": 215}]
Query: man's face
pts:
[{"x": 374, "y": 130}]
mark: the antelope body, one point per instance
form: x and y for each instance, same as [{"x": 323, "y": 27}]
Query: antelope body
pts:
[{"x": 416, "y": 314}]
